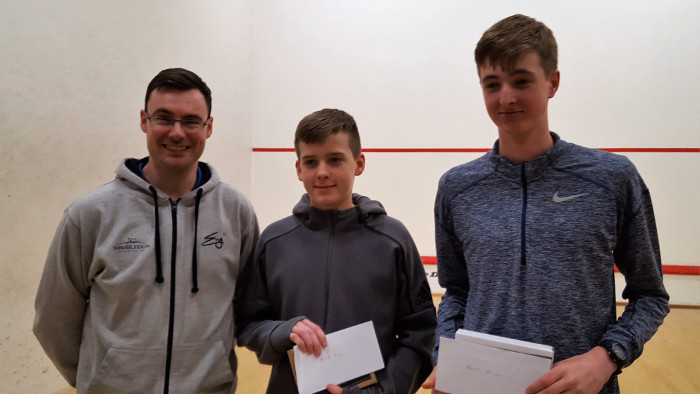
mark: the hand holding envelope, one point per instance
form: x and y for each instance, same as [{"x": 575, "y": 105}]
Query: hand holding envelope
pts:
[
  {"x": 309, "y": 337},
  {"x": 350, "y": 353}
]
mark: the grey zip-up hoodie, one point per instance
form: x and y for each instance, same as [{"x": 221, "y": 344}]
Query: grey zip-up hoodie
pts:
[
  {"x": 137, "y": 297},
  {"x": 339, "y": 269},
  {"x": 527, "y": 251}
]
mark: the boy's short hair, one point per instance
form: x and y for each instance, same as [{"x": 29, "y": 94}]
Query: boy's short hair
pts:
[
  {"x": 504, "y": 42},
  {"x": 178, "y": 79},
  {"x": 318, "y": 126}
]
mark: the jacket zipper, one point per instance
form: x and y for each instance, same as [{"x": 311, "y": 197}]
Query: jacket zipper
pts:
[
  {"x": 171, "y": 321},
  {"x": 329, "y": 265},
  {"x": 523, "y": 179}
]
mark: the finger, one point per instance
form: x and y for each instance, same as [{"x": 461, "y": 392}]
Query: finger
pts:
[
  {"x": 536, "y": 387},
  {"x": 298, "y": 341},
  {"x": 309, "y": 342},
  {"x": 314, "y": 337},
  {"x": 430, "y": 382},
  {"x": 315, "y": 345},
  {"x": 545, "y": 381},
  {"x": 318, "y": 332},
  {"x": 312, "y": 344},
  {"x": 300, "y": 337},
  {"x": 333, "y": 389}
]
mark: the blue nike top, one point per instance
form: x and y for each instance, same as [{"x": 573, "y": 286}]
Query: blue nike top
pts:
[{"x": 527, "y": 251}]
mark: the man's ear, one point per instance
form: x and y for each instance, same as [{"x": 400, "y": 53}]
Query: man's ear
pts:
[
  {"x": 210, "y": 126},
  {"x": 144, "y": 120},
  {"x": 554, "y": 83},
  {"x": 360, "y": 164}
]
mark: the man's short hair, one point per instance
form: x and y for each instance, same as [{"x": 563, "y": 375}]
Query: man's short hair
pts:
[
  {"x": 179, "y": 79},
  {"x": 504, "y": 42},
  {"x": 318, "y": 126}
]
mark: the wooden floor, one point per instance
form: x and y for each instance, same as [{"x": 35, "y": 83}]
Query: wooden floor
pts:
[{"x": 670, "y": 363}]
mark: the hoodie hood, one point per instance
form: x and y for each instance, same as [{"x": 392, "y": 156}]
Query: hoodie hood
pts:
[{"x": 365, "y": 211}]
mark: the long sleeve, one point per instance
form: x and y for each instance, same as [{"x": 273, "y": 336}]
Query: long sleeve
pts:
[
  {"x": 638, "y": 258},
  {"x": 452, "y": 273},
  {"x": 409, "y": 363},
  {"x": 62, "y": 300},
  {"x": 258, "y": 330},
  {"x": 249, "y": 240},
  {"x": 250, "y": 234}
]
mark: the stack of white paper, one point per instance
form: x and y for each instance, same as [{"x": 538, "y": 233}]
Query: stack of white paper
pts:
[{"x": 480, "y": 363}]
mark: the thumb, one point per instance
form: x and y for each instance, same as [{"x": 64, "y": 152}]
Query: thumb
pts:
[{"x": 430, "y": 382}]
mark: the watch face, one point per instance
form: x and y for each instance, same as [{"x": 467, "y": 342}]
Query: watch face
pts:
[{"x": 619, "y": 352}]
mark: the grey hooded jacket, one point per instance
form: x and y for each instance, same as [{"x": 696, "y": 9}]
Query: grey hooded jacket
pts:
[
  {"x": 137, "y": 291},
  {"x": 339, "y": 269}
]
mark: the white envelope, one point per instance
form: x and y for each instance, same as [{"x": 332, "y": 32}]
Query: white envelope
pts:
[{"x": 351, "y": 353}]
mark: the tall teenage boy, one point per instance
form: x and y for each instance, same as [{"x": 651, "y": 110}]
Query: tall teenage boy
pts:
[
  {"x": 337, "y": 261},
  {"x": 528, "y": 235}
]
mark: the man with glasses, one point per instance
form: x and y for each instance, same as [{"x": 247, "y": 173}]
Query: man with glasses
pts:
[{"x": 137, "y": 290}]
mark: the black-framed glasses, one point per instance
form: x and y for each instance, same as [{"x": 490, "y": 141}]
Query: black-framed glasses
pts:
[{"x": 164, "y": 122}]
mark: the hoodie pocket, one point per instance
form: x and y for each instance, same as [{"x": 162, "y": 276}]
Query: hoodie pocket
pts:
[
  {"x": 197, "y": 367},
  {"x": 203, "y": 367},
  {"x": 130, "y": 371}
]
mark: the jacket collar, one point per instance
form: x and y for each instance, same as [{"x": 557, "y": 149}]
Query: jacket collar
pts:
[
  {"x": 128, "y": 172},
  {"x": 364, "y": 211},
  {"x": 533, "y": 170}
]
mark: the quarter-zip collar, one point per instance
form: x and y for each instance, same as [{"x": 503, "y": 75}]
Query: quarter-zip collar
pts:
[
  {"x": 524, "y": 174},
  {"x": 531, "y": 171}
]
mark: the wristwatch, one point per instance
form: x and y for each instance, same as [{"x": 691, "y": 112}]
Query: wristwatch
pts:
[{"x": 617, "y": 354}]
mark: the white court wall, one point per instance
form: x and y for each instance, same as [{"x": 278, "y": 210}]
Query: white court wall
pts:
[
  {"x": 405, "y": 70},
  {"x": 73, "y": 79},
  {"x": 74, "y": 73}
]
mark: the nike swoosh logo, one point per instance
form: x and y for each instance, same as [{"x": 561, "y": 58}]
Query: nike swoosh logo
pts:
[{"x": 557, "y": 198}]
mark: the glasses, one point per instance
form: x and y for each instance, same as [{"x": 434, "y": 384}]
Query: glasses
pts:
[{"x": 165, "y": 122}]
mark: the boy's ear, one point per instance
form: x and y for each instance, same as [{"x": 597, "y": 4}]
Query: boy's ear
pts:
[
  {"x": 298, "y": 170},
  {"x": 554, "y": 83},
  {"x": 360, "y": 164}
]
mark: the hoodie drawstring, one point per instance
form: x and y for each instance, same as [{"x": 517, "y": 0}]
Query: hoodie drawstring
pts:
[
  {"x": 159, "y": 266},
  {"x": 194, "y": 246}
]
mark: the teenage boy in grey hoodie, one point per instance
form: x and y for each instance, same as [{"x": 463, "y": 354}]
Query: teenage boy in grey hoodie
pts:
[
  {"x": 336, "y": 262},
  {"x": 528, "y": 235},
  {"x": 137, "y": 291}
]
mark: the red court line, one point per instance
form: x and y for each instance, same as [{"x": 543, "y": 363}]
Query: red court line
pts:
[
  {"x": 482, "y": 150},
  {"x": 667, "y": 269},
  {"x": 427, "y": 150},
  {"x": 273, "y": 149},
  {"x": 653, "y": 150}
]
